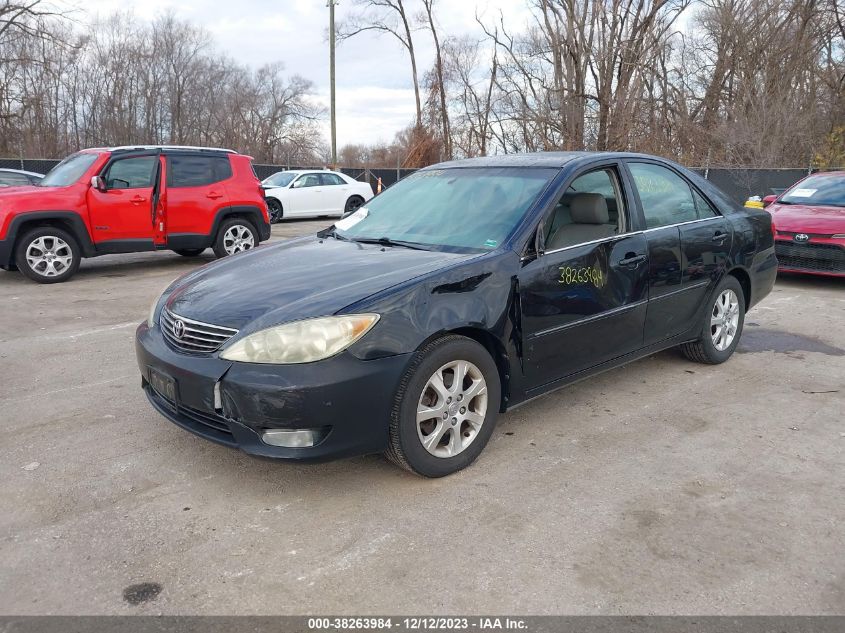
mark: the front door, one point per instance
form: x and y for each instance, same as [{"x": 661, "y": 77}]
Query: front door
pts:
[
  {"x": 305, "y": 196},
  {"x": 122, "y": 215},
  {"x": 584, "y": 298}
]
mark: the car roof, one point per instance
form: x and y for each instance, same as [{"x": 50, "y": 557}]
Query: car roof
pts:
[
  {"x": 537, "y": 159},
  {"x": 163, "y": 148},
  {"x": 21, "y": 171}
]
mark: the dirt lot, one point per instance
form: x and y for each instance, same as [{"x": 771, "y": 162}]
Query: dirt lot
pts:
[{"x": 663, "y": 487}]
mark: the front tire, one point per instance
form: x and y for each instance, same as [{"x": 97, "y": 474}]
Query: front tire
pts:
[
  {"x": 234, "y": 236},
  {"x": 445, "y": 408},
  {"x": 48, "y": 255},
  {"x": 721, "y": 325},
  {"x": 275, "y": 210}
]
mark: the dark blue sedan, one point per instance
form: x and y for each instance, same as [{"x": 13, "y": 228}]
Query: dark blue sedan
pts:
[{"x": 458, "y": 293}]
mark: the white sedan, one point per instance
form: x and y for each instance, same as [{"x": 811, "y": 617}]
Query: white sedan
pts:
[{"x": 309, "y": 193}]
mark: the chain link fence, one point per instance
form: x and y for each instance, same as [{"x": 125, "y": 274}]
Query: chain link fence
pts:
[{"x": 738, "y": 183}]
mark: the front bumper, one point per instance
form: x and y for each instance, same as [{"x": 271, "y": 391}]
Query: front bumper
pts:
[{"x": 351, "y": 397}]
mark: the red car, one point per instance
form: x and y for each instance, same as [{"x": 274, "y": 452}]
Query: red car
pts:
[
  {"x": 130, "y": 199},
  {"x": 809, "y": 220}
]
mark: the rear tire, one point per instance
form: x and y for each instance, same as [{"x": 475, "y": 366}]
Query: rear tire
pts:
[
  {"x": 48, "y": 255},
  {"x": 235, "y": 235},
  {"x": 439, "y": 426},
  {"x": 189, "y": 252},
  {"x": 352, "y": 205},
  {"x": 721, "y": 327}
]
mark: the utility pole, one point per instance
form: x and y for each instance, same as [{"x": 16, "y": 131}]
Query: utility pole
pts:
[{"x": 331, "y": 4}]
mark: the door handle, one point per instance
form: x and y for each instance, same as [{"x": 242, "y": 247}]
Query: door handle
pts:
[
  {"x": 213, "y": 195},
  {"x": 138, "y": 200},
  {"x": 720, "y": 236},
  {"x": 632, "y": 260}
]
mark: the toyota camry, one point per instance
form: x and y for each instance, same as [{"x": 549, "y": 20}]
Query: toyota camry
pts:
[{"x": 466, "y": 289}]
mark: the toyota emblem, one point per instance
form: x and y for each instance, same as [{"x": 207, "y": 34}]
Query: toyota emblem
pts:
[
  {"x": 178, "y": 329},
  {"x": 801, "y": 237}
]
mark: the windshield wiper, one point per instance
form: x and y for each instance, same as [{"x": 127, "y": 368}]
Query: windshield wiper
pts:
[
  {"x": 386, "y": 241},
  {"x": 332, "y": 232}
]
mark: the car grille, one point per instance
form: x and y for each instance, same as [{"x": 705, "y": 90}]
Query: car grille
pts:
[
  {"x": 197, "y": 337},
  {"x": 207, "y": 424},
  {"x": 828, "y": 258}
]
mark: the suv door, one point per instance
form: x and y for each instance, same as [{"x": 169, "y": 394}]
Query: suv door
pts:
[
  {"x": 305, "y": 196},
  {"x": 583, "y": 299},
  {"x": 689, "y": 242},
  {"x": 122, "y": 215},
  {"x": 195, "y": 193}
]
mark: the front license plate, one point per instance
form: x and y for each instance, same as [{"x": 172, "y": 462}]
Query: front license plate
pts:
[{"x": 164, "y": 385}]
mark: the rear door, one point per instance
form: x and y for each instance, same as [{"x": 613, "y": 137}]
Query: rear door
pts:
[
  {"x": 195, "y": 192},
  {"x": 335, "y": 193},
  {"x": 583, "y": 300},
  {"x": 688, "y": 245},
  {"x": 122, "y": 215}
]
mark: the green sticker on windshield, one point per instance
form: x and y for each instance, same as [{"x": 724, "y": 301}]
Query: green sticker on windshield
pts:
[{"x": 491, "y": 244}]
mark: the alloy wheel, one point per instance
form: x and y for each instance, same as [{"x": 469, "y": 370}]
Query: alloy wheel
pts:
[
  {"x": 452, "y": 408},
  {"x": 49, "y": 256},
  {"x": 724, "y": 320},
  {"x": 238, "y": 238}
]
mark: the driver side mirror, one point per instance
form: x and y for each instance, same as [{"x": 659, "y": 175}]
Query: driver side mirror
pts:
[
  {"x": 296, "y": 184},
  {"x": 99, "y": 183},
  {"x": 767, "y": 200}
]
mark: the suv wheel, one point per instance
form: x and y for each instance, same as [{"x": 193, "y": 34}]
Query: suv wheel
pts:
[
  {"x": 445, "y": 409},
  {"x": 48, "y": 255},
  {"x": 274, "y": 208},
  {"x": 235, "y": 236}
]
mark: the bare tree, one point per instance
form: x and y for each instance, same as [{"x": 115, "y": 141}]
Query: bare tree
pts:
[{"x": 385, "y": 16}]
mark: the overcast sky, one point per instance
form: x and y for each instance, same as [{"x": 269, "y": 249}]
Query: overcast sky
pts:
[{"x": 375, "y": 97}]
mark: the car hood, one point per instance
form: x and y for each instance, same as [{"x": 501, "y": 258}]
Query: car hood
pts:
[
  {"x": 298, "y": 279},
  {"x": 801, "y": 218},
  {"x": 20, "y": 192}
]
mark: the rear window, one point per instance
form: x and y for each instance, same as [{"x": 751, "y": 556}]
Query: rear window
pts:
[
  {"x": 195, "y": 171},
  {"x": 11, "y": 179}
]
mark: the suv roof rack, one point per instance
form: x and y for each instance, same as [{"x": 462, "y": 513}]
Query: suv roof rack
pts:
[{"x": 191, "y": 148}]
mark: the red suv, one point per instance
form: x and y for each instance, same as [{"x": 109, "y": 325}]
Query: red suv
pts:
[{"x": 130, "y": 199}]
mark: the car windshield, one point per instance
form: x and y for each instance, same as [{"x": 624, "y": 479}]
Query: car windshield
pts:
[
  {"x": 68, "y": 171},
  {"x": 279, "y": 179},
  {"x": 464, "y": 208},
  {"x": 822, "y": 190}
]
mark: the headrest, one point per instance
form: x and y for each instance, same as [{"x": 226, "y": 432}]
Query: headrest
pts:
[{"x": 589, "y": 208}]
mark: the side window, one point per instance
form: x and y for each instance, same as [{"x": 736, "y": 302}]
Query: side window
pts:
[
  {"x": 704, "y": 208},
  {"x": 308, "y": 180},
  {"x": 331, "y": 179},
  {"x": 132, "y": 173},
  {"x": 195, "y": 171},
  {"x": 592, "y": 208},
  {"x": 665, "y": 196}
]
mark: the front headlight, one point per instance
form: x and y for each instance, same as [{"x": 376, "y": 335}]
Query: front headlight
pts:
[
  {"x": 151, "y": 317},
  {"x": 301, "y": 341}
]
